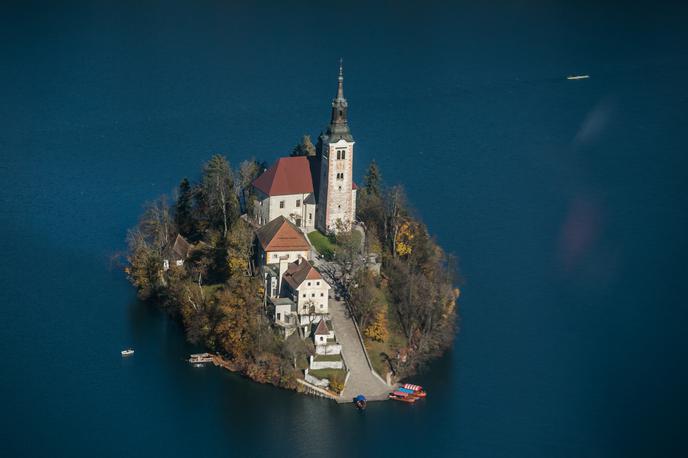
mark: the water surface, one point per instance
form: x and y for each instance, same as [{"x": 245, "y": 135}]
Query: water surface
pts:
[{"x": 564, "y": 200}]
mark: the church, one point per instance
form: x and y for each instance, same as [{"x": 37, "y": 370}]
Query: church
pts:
[{"x": 314, "y": 191}]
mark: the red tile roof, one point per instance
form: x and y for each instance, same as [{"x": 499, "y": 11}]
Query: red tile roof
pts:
[
  {"x": 322, "y": 329},
  {"x": 289, "y": 175},
  {"x": 281, "y": 235},
  {"x": 300, "y": 271}
]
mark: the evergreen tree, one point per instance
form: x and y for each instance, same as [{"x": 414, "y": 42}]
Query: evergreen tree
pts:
[
  {"x": 183, "y": 212},
  {"x": 305, "y": 148},
  {"x": 373, "y": 181}
]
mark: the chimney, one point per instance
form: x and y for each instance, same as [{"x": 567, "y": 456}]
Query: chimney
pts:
[{"x": 283, "y": 265}]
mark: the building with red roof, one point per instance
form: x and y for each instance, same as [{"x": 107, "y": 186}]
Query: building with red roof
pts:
[
  {"x": 313, "y": 191},
  {"x": 286, "y": 189}
]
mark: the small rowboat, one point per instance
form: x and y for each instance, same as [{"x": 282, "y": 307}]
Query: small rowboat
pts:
[
  {"x": 127, "y": 352},
  {"x": 416, "y": 389},
  {"x": 360, "y": 402}
]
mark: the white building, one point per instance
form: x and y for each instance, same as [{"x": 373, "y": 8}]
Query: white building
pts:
[
  {"x": 324, "y": 339},
  {"x": 303, "y": 284},
  {"x": 315, "y": 191},
  {"x": 281, "y": 240},
  {"x": 286, "y": 189}
]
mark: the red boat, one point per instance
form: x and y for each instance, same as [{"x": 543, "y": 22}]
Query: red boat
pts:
[
  {"x": 417, "y": 389},
  {"x": 403, "y": 397}
]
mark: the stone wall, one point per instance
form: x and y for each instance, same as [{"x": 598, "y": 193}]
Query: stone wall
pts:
[
  {"x": 339, "y": 364},
  {"x": 328, "y": 349},
  {"x": 323, "y": 383}
]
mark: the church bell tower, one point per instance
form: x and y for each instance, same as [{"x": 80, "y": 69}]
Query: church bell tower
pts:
[{"x": 337, "y": 195}]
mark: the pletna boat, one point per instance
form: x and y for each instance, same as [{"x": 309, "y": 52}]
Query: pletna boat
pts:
[
  {"x": 578, "y": 77},
  {"x": 398, "y": 395},
  {"x": 360, "y": 402},
  {"x": 416, "y": 389},
  {"x": 127, "y": 352}
]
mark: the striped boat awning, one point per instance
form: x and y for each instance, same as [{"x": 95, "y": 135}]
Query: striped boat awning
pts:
[{"x": 410, "y": 386}]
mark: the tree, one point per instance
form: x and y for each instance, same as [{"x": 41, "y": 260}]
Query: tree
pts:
[
  {"x": 365, "y": 297},
  {"x": 183, "y": 215},
  {"x": 218, "y": 193},
  {"x": 240, "y": 249},
  {"x": 156, "y": 225},
  {"x": 305, "y": 148},
  {"x": 144, "y": 265},
  {"x": 404, "y": 240},
  {"x": 373, "y": 180},
  {"x": 248, "y": 171},
  {"x": 395, "y": 209},
  {"x": 378, "y": 328}
]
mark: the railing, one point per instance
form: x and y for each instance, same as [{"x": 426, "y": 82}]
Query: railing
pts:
[{"x": 317, "y": 391}]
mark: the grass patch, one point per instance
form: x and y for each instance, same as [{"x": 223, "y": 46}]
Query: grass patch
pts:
[
  {"x": 375, "y": 351},
  {"x": 322, "y": 244},
  {"x": 327, "y": 358},
  {"x": 336, "y": 375}
]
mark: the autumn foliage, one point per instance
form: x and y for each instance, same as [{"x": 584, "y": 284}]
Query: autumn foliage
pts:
[{"x": 215, "y": 292}]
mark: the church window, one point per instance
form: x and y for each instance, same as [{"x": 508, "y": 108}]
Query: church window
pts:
[
  {"x": 343, "y": 154},
  {"x": 340, "y": 112},
  {"x": 322, "y": 294},
  {"x": 309, "y": 283},
  {"x": 310, "y": 216},
  {"x": 339, "y": 154},
  {"x": 281, "y": 204},
  {"x": 313, "y": 295},
  {"x": 340, "y": 188},
  {"x": 317, "y": 283},
  {"x": 298, "y": 202}
]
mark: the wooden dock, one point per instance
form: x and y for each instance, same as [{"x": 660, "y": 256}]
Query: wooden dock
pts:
[{"x": 199, "y": 358}]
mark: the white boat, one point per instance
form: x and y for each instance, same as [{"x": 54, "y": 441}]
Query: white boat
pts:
[
  {"x": 127, "y": 352},
  {"x": 578, "y": 77}
]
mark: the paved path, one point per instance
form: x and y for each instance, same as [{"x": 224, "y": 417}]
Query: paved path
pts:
[{"x": 361, "y": 381}]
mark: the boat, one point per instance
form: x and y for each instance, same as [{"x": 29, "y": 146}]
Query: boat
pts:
[
  {"x": 402, "y": 396},
  {"x": 360, "y": 402},
  {"x": 127, "y": 352},
  {"x": 417, "y": 390},
  {"x": 578, "y": 77}
]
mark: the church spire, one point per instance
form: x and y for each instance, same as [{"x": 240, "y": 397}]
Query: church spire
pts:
[
  {"x": 338, "y": 123},
  {"x": 340, "y": 88}
]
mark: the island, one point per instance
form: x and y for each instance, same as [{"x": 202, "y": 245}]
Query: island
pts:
[{"x": 293, "y": 275}]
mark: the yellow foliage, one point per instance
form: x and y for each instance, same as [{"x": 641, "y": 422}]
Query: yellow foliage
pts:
[
  {"x": 378, "y": 328},
  {"x": 237, "y": 265},
  {"x": 404, "y": 238},
  {"x": 336, "y": 386}
]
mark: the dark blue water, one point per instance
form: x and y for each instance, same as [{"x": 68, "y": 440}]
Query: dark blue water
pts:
[{"x": 565, "y": 201}]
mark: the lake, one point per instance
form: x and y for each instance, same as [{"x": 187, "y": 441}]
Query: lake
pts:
[{"x": 565, "y": 202}]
